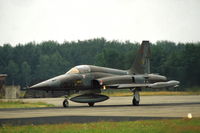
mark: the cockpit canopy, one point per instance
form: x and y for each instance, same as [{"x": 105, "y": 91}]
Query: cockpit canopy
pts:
[
  {"x": 82, "y": 69},
  {"x": 74, "y": 70},
  {"x": 79, "y": 69}
]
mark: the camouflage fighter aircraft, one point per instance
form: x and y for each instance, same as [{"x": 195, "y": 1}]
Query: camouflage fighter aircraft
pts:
[{"x": 88, "y": 81}]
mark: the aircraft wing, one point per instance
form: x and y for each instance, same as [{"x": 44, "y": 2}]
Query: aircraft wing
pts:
[{"x": 126, "y": 86}]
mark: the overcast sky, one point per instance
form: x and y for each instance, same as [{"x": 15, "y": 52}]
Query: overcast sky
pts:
[{"x": 22, "y": 21}]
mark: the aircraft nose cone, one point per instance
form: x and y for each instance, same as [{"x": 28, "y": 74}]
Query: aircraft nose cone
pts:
[
  {"x": 49, "y": 84},
  {"x": 42, "y": 85}
]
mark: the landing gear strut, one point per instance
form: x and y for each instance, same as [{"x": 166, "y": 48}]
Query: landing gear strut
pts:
[
  {"x": 91, "y": 104},
  {"x": 65, "y": 103},
  {"x": 136, "y": 98}
]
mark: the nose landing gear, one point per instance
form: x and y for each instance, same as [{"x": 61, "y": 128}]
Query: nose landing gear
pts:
[{"x": 66, "y": 103}]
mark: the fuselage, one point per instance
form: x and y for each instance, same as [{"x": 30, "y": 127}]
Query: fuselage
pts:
[
  {"x": 86, "y": 77},
  {"x": 79, "y": 77}
]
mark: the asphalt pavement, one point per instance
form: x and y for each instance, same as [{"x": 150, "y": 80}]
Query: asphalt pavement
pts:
[{"x": 114, "y": 109}]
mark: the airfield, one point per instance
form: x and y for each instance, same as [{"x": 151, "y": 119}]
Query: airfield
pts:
[{"x": 114, "y": 109}]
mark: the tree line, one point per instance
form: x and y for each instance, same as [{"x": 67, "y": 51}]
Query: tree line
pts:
[{"x": 27, "y": 64}]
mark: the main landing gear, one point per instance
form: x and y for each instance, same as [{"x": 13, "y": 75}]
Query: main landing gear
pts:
[{"x": 136, "y": 98}]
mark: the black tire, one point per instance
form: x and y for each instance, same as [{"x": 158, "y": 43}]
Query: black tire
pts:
[
  {"x": 135, "y": 102},
  {"x": 65, "y": 103},
  {"x": 91, "y": 104}
]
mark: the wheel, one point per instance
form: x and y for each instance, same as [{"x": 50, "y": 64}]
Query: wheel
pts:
[
  {"x": 65, "y": 103},
  {"x": 135, "y": 102},
  {"x": 91, "y": 104},
  {"x": 136, "y": 98}
]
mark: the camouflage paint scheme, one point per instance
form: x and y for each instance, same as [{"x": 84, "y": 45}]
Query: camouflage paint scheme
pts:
[{"x": 89, "y": 80}]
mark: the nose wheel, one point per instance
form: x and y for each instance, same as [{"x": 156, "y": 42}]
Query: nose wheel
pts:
[
  {"x": 65, "y": 103},
  {"x": 136, "y": 98}
]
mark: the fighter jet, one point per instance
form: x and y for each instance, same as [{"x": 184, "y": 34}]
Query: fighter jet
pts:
[{"x": 88, "y": 81}]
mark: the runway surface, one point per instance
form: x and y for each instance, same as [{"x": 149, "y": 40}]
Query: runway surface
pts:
[{"x": 114, "y": 109}]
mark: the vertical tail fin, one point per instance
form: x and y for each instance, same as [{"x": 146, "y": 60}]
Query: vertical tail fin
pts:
[{"x": 141, "y": 64}]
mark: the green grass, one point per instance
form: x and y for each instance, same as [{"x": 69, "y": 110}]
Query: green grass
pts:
[
  {"x": 146, "y": 126},
  {"x": 21, "y": 104}
]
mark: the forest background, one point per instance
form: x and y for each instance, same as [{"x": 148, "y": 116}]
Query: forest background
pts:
[{"x": 30, "y": 63}]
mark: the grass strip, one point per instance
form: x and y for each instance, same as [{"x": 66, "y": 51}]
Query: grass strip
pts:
[
  {"x": 151, "y": 126},
  {"x": 21, "y": 104}
]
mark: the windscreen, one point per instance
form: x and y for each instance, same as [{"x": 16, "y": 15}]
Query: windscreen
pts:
[{"x": 73, "y": 71}]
